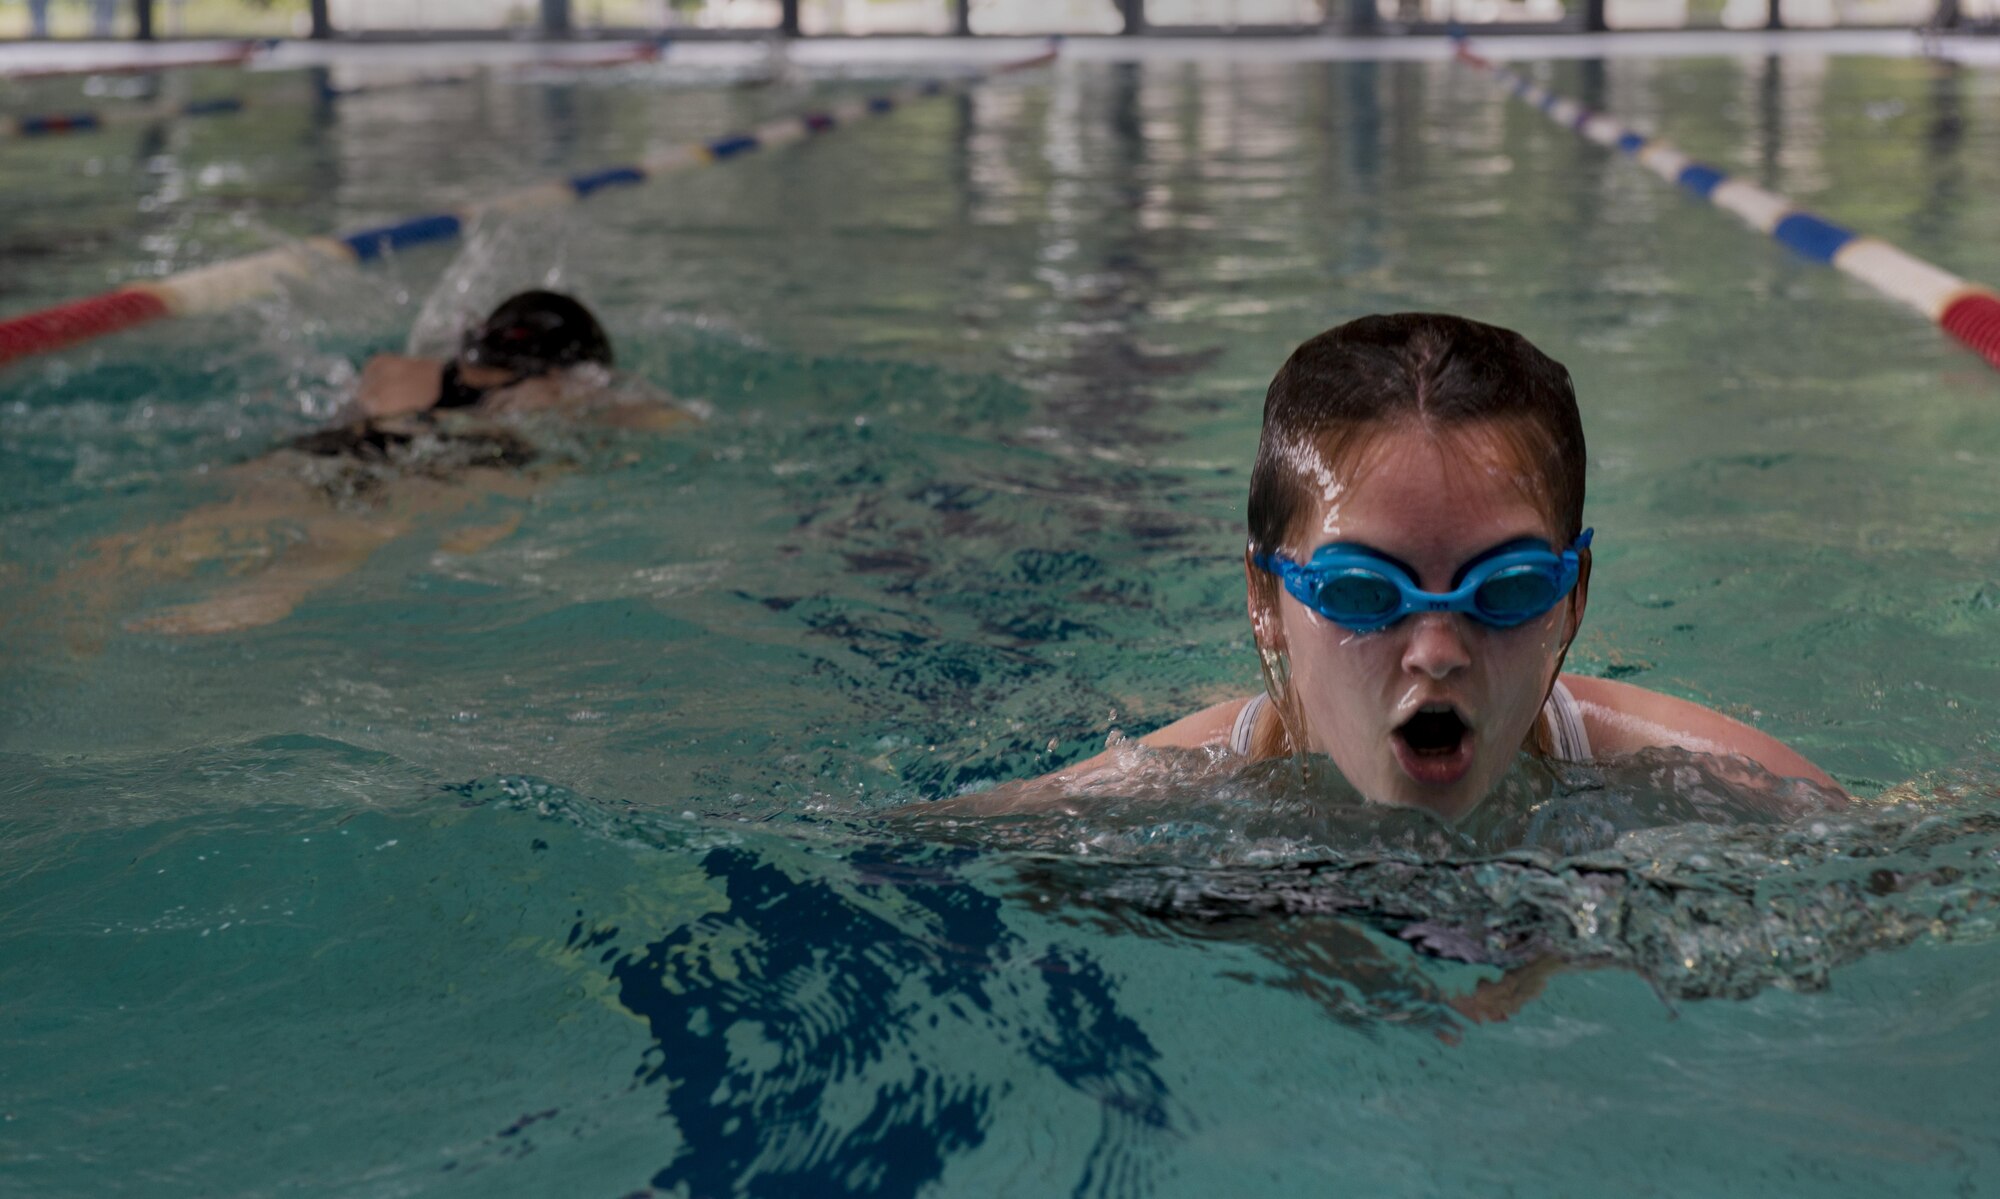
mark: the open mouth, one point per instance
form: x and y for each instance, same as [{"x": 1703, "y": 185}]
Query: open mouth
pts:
[
  {"x": 1435, "y": 745},
  {"x": 1434, "y": 732}
]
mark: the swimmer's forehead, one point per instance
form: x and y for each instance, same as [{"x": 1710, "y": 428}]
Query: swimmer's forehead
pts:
[{"x": 1345, "y": 469}]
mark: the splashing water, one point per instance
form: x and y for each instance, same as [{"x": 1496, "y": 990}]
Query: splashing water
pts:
[{"x": 1706, "y": 876}]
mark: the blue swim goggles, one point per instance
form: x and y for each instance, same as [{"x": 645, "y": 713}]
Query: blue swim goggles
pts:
[{"x": 1359, "y": 589}]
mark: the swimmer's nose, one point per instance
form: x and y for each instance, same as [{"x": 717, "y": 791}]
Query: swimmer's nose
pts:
[{"x": 1437, "y": 645}]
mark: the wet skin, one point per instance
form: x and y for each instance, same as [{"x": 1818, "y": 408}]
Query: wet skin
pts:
[{"x": 1435, "y": 503}]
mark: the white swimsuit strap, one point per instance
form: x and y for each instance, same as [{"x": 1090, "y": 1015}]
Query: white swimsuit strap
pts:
[
  {"x": 1246, "y": 724},
  {"x": 1565, "y": 716}
]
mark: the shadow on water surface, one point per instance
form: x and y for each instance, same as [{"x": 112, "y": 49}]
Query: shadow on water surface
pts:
[{"x": 804, "y": 1036}]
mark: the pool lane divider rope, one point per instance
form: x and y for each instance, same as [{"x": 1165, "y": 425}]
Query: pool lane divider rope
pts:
[
  {"x": 1967, "y": 311},
  {"x": 89, "y": 121},
  {"x": 226, "y": 284}
]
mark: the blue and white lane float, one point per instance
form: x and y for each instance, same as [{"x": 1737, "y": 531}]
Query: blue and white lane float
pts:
[
  {"x": 225, "y": 285},
  {"x": 1967, "y": 311}
]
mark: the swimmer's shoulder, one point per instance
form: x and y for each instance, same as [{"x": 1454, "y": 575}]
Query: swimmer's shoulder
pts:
[
  {"x": 1622, "y": 719},
  {"x": 1212, "y": 726},
  {"x": 396, "y": 384},
  {"x": 602, "y": 397}
]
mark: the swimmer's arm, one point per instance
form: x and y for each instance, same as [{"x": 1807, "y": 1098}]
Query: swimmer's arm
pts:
[
  {"x": 536, "y": 394},
  {"x": 1210, "y": 726},
  {"x": 1052, "y": 791},
  {"x": 395, "y": 385},
  {"x": 583, "y": 391},
  {"x": 1622, "y": 719}
]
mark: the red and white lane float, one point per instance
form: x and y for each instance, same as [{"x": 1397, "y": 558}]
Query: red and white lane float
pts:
[{"x": 1967, "y": 311}]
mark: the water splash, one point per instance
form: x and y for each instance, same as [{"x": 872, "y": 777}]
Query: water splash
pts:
[
  {"x": 1207, "y": 807},
  {"x": 1701, "y": 875}
]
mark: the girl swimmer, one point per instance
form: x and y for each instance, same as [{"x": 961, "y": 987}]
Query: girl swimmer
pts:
[{"x": 1418, "y": 567}]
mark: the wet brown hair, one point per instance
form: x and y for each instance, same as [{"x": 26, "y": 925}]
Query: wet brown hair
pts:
[{"x": 1430, "y": 371}]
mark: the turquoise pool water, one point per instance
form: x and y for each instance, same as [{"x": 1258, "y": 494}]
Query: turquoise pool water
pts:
[{"x": 594, "y": 861}]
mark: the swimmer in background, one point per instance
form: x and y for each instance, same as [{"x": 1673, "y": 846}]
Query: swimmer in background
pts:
[
  {"x": 537, "y": 350},
  {"x": 1418, "y": 568},
  {"x": 423, "y": 440}
]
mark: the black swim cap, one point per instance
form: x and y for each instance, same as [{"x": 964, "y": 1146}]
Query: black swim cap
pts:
[{"x": 535, "y": 332}]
